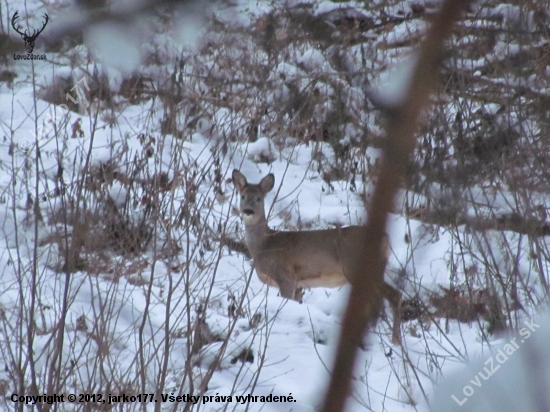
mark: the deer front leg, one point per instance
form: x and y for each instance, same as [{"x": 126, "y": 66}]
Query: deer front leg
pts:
[
  {"x": 290, "y": 291},
  {"x": 287, "y": 284},
  {"x": 298, "y": 294},
  {"x": 394, "y": 297}
]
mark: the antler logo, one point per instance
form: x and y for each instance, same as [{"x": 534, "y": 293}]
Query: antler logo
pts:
[{"x": 29, "y": 40}]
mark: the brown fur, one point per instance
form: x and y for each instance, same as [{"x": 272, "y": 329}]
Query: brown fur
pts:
[{"x": 292, "y": 261}]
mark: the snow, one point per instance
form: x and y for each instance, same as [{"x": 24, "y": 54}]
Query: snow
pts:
[
  {"x": 513, "y": 15},
  {"x": 116, "y": 46},
  {"x": 124, "y": 306},
  {"x": 515, "y": 374},
  {"x": 262, "y": 149},
  {"x": 394, "y": 83},
  {"x": 312, "y": 60}
]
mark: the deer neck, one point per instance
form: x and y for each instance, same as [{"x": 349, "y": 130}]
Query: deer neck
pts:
[{"x": 255, "y": 233}]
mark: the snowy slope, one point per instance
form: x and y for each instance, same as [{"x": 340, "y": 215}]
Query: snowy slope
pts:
[{"x": 176, "y": 305}]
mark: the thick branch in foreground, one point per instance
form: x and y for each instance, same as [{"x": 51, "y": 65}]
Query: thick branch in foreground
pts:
[{"x": 365, "y": 300}]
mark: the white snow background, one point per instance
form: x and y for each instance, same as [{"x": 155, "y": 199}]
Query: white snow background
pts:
[{"x": 137, "y": 304}]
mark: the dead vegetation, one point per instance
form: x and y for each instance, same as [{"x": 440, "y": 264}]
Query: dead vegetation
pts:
[{"x": 297, "y": 77}]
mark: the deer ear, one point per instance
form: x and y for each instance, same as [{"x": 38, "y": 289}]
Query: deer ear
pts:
[
  {"x": 267, "y": 183},
  {"x": 239, "y": 180}
]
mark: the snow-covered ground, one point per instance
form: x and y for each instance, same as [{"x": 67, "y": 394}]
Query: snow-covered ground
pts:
[{"x": 182, "y": 308}]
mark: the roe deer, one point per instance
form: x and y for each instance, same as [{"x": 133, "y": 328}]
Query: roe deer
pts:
[{"x": 291, "y": 261}]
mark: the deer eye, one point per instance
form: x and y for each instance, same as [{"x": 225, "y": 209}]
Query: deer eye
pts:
[
  {"x": 258, "y": 199},
  {"x": 242, "y": 197}
]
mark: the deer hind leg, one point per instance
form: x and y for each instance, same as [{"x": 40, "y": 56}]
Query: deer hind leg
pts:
[{"x": 393, "y": 296}]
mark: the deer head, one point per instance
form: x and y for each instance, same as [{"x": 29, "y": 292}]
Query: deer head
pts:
[{"x": 29, "y": 40}]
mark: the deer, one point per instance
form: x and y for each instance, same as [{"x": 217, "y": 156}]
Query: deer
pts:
[
  {"x": 29, "y": 40},
  {"x": 294, "y": 260}
]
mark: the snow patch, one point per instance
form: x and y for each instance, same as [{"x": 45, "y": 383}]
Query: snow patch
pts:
[
  {"x": 393, "y": 84},
  {"x": 262, "y": 150},
  {"x": 116, "y": 45}
]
